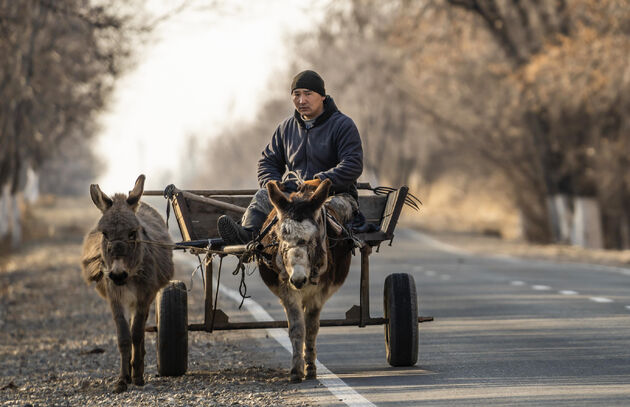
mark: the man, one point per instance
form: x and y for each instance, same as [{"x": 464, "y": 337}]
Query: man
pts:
[{"x": 317, "y": 142}]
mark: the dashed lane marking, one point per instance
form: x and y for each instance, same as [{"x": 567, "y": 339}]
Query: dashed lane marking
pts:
[
  {"x": 601, "y": 299},
  {"x": 517, "y": 283},
  {"x": 568, "y": 292},
  {"x": 541, "y": 287}
]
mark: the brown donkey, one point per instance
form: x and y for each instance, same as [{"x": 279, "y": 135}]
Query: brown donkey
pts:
[
  {"x": 304, "y": 270},
  {"x": 127, "y": 271}
]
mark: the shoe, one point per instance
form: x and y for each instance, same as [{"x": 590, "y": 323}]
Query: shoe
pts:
[{"x": 231, "y": 232}]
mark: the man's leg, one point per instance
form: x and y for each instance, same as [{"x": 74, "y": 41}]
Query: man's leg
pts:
[
  {"x": 257, "y": 212},
  {"x": 344, "y": 205},
  {"x": 251, "y": 222}
]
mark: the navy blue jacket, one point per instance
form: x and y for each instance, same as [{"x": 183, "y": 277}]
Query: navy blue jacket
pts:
[{"x": 330, "y": 149}]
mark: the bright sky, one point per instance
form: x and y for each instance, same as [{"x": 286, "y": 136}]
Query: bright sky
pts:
[{"x": 203, "y": 71}]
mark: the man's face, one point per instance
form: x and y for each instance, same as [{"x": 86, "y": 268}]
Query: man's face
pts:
[{"x": 308, "y": 103}]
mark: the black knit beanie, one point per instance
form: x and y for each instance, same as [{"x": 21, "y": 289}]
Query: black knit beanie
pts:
[{"x": 309, "y": 80}]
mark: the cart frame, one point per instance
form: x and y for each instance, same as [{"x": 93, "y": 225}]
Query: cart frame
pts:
[{"x": 196, "y": 212}]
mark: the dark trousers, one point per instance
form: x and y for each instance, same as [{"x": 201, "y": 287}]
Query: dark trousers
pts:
[
  {"x": 257, "y": 211},
  {"x": 260, "y": 207}
]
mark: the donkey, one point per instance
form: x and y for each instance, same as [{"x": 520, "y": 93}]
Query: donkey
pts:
[
  {"x": 303, "y": 270},
  {"x": 127, "y": 270}
]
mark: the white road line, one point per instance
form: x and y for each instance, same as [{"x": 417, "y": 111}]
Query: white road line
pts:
[
  {"x": 601, "y": 299},
  {"x": 430, "y": 273},
  {"x": 627, "y": 306},
  {"x": 517, "y": 283},
  {"x": 422, "y": 237},
  {"x": 541, "y": 287},
  {"x": 568, "y": 292},
  {"x": 334, "y": 384}
]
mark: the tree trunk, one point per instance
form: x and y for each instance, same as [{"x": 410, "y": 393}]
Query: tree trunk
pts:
[
  {"x": 587, "y": 224},
  {"x": 561, "y": 213},
  {"x": 4, "y": 212}
]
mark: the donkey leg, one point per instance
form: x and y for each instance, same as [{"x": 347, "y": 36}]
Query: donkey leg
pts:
[
  {"x": 312, "y": 328},
  {"x": 295, "y": 317},
  {"x": 138, "y": 323},
  {"x": 124, "y": 346}
]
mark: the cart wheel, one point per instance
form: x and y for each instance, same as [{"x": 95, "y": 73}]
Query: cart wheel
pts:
[
  {"x": 400, "y": 304},
  {"x": 172, "y": 329}
]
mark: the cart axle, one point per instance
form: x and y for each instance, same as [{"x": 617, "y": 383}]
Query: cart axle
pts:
[{"x": 283, "y": 324}]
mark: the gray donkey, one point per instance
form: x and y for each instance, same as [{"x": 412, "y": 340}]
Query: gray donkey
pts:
[
  {"x": 304, "y": 270},
  {"x": 127, "y": 270}
]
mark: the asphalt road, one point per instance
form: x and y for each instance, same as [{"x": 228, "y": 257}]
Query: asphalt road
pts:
[{"x": 507, "y": 332}]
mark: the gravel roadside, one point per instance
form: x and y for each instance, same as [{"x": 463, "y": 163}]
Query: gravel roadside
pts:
[{"x": 58, "y": 343}]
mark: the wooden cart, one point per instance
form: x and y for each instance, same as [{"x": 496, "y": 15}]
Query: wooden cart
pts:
[{"x": 197, "y": 212}]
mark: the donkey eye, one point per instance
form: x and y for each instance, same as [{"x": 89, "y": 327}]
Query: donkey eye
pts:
[
  {"x": 132, "y": 235},
  {"x": 301, "y": 241},
  {"x": 105, "y": 235}
]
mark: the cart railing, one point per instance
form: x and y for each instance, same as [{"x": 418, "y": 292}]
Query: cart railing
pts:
[{"x": 197, "y": 211}]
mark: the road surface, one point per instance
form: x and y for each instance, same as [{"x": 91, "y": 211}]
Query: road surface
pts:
[{"x": 507, "y": 332}]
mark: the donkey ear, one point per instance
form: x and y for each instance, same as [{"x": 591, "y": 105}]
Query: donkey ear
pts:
[
  {"x": 136, "y": 193},
  {"x": 102, "y": 201},
  {"x": 321, "y": 194},
  {"x": 276, "y": 196}
]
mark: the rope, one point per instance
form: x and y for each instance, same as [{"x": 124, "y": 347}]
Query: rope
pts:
[
  {"x": 168, "y": 194},
  {"x": 242, "y": 288},
  {"x": 299, "y": 179},
  {"x": 192, "y": 275}
]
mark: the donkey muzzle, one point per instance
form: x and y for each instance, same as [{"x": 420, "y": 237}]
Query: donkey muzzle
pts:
[
  {"x": 298, "y": 277},
  {"x": 119, "y": 278}
]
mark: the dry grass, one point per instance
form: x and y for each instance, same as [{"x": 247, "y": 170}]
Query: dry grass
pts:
[{"x": 455, "y": 204}]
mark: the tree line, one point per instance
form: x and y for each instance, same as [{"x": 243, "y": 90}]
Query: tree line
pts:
[
  {"x": 60, "y": 60},
  {"x": 534, "y": 92}
]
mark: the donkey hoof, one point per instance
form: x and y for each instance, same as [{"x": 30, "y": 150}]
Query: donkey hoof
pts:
[
  {"x": 311, "y": 373},
  {"x": 120, "y": 386},
  {"x": 138, "y": 381},
  {"x": 297, "y": 375}
]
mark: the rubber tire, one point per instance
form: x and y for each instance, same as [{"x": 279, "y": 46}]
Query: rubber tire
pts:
[
  {"x": 400, "y": 305},
  {"x": 172, "y": 329}
]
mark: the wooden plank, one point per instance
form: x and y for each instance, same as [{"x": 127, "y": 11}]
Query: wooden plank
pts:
[
  {"x": 203, "y": 217},
  {"x": 207, "y": 192},
  {"x": 395, "y": 203},
  {"x": 211, "y": 192},
  {"x": 214, "y": 202},
  {"x": 183, "y": 216},
  {"x": 372, "y": 207}
]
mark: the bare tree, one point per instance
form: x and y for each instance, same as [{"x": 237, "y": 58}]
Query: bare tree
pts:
[{"x": 59, "y": 63}]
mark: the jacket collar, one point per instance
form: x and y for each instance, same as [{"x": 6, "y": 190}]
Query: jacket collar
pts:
[{"x": 329, "y": 108}]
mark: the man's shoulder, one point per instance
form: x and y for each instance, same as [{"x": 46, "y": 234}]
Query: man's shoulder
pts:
[
  {"x": 341, "y": 119},
  {"x": 287, "y": 123}
]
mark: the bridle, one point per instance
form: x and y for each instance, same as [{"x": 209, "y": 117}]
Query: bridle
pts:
[{"x": 320, "y": 224}]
